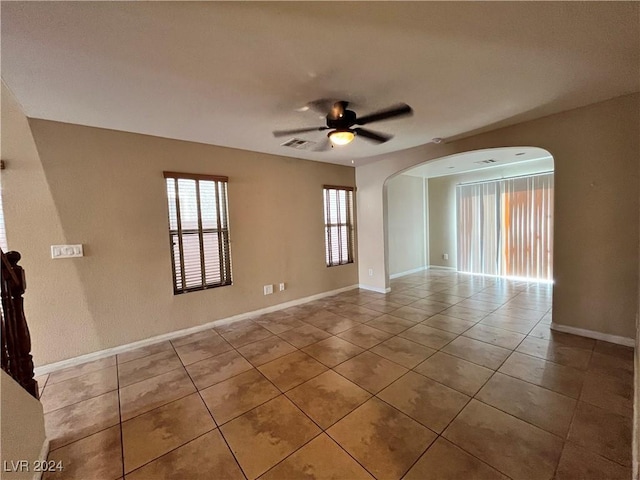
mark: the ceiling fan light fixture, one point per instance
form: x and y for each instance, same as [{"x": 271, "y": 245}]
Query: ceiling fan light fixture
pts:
[{"x": 341, "y": 137}]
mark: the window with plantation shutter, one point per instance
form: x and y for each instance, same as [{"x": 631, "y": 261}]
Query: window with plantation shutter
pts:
[
  {"x": 199, "y": 231},
  {"x": 338, "y": 225}
]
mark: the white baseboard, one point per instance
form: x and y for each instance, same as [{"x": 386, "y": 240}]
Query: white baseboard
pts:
[
  {"x": 374, "y": 289},
  {"x": 71, "y": 362},
  {"x": 439, "y": 267},
  {"x": 408, "y": 272},
  {"x": 44, "y": 453},
  {"x": 583, "y": 332}
]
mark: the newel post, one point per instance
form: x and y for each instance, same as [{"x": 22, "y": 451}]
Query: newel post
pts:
[{"x": 17, "y": 323}]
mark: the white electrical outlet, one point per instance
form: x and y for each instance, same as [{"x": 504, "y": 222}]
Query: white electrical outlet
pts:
[
  {"x": 282, "y": 287},
  {"x": 371, "y": 272},
  {"x": 66, "y": 251},
  {"x": 445, "y": 256},
  {"x": 268, "y": 289}
]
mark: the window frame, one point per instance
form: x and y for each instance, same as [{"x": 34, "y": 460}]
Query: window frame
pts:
[
  {"x": 221, "y": 230},
  {"x": 349, "y": 223}
]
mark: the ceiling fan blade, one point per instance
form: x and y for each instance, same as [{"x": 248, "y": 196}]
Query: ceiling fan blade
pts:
[
  {"x": 322, "y": 105},
  {"x": 399, "y": 110},
  {"x": 371, "y": 135},
  {"x": 284, "y": 133},
  {"x": 322, "y": 146}
]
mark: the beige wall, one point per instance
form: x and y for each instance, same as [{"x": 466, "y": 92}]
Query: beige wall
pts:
[
  {"x": 105, "y": 190},
  {"x": 407, "y": 223},
  {"x": 22, "y": 427},
  {"x": 596, "y": 151},
  {"x": 442, "y": 205}
]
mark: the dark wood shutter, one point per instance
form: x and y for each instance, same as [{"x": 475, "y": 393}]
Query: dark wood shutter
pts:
[
  {"x": 199, "y": 231},
  {"x": 338, "y": 223}
]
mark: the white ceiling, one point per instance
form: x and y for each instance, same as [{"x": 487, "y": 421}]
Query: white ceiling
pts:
[
  {"x": 477, "y": 160},
  {"x": 228, "y": 73}
]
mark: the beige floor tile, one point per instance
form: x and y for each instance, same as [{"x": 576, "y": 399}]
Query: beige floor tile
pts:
[
  {"x": 576, "y": 463},
  {"x": 400, "y": 299},
  {"x": 80, "y": 388},
  {"x": 602, "y": 432},
  {"x": 332, "y": 351},
  {"x": 459, "y": 374},
  {"x": 565, "y": 380},
  {"x": 320, "y": 459},
  {"x": 501, "y": 320},
  {"x": 556, "y": 353},
  {"x": 78, "y": 370},
  {"x": 538, "y": 406},
  {"x": 370, "y": 371},
  {"x": 621, "y": 351},
  {"x": 279, "y": 325},
  {"x": 235, "y": 326},
  {"x": 42, "y": 382},
  {"x": 204, "y": 348},
  {"x": 291, "y": 370},
  {"x": 194, "y": 337},
  {"x": 358, "y": 313},
  {"x": 445, "y": 461},
  {"x": 364, "y": 336},
  {"x": 147, "y": 367},
  {"x": 430, "y": 403},
  {"x": 327, "y": 398},
  {"x": 403, "y": 351},
  {"x": 81, "y": 419},
  {"x": 265, "y": 435},
  {"x": 543, "y": 331},
  {"x": 477, "y": 352},
  {"x": 391, "y": 324},
  {"x": 448, "y": 324},
  {"x": 154, "y": 392},
  {"x": 303, "y": 336},
  {"x": 427, "y": 336},
  {"x": 495, "y": 336},
  {"x": 264, "y": 351},
  {"x": 488, "y": 433},
  {"x": 445, "y": 298},
  {"x": 430, "y": 307},
  {"x": 464, "y": 313},
  {"x": 143, "y": 352},
  {"x": 206, "y": 457},
  {"x": 330, "y": 322},
  {"x": 98, "y": 456},
  {"x": 152, "y": 434},
  {"x": 613, "y": 366},
  {"x": 237, "y": 395},
  {"x": 382, "y": 439},
  {"x": 609, "y": 393},
  {"x": 216, "y": 369},
  {"x": 412, "y": 314},
  {"x": 383, "y": 306},
  {"x": 246, "y": 334}
]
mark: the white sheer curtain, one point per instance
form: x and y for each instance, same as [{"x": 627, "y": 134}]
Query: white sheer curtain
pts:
[{"x": 505, "y": 227}]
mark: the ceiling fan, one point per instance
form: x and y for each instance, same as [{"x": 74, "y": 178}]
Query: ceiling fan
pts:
[{"x": 341, "y": 122}]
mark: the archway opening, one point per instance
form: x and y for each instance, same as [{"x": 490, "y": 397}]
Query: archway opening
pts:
[{"x": 484, "y": 214}]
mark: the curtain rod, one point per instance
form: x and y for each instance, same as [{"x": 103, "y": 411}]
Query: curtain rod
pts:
[{"x": 506, "y": 178}]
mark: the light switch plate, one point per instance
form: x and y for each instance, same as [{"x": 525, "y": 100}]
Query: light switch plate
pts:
[{"x": 66, "y": 251}]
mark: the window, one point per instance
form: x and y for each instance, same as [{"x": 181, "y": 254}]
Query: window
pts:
[
  {"x": 505, "y": 227},
  {"x": 199, "y": 231},
  {"x": 338, "y": 225}
]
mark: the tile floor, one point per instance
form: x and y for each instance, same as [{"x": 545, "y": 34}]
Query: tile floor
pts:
[{"x": 449, "y": 376}]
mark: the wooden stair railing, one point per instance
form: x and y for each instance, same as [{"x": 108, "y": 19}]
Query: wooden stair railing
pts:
[{"x": 16, "y": 341}]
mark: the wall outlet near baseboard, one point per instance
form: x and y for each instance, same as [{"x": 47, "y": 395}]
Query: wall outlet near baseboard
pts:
[
  {"x": 268, "y": 289},
  {"x": 282, "y": 287},
  {"x": 371, "y": 272},
  {"x": 445, "y": 256}
]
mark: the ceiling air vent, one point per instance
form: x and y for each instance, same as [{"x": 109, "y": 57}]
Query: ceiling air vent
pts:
[
  {"x": 298, "y": 144},
  {"x": 484, "y": 162}
]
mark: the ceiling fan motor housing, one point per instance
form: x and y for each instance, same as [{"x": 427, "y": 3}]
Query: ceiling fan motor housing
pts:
[{"x": 347, "y": 119}]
